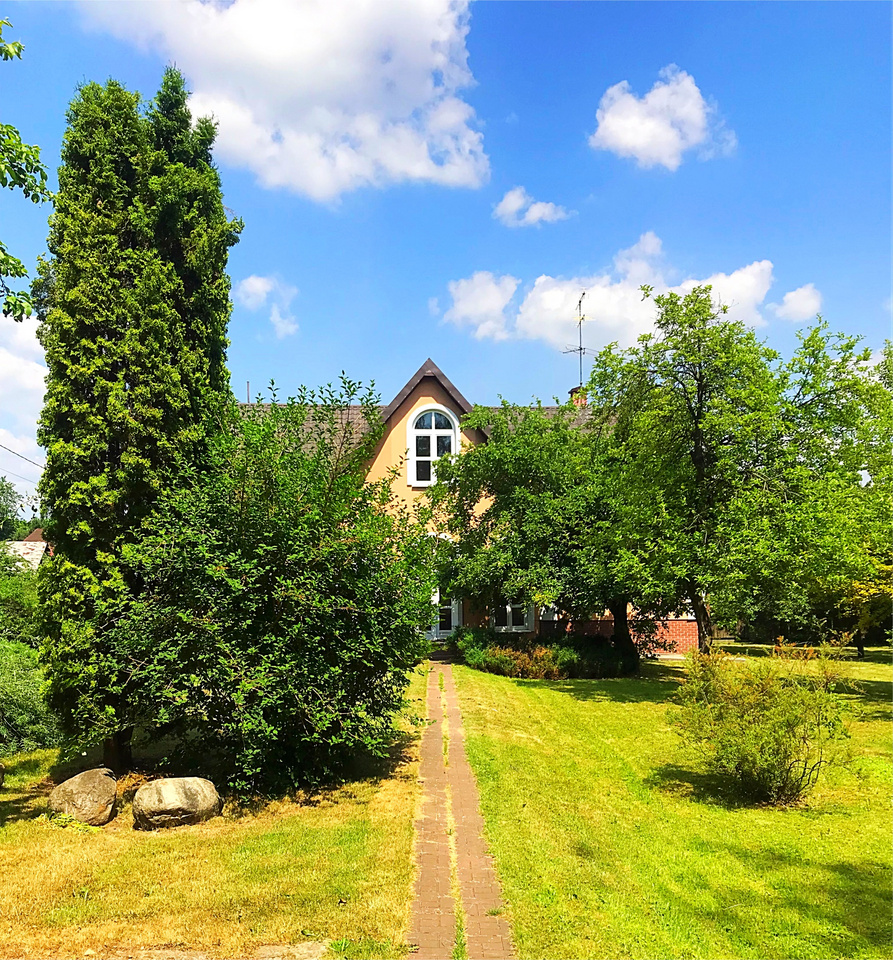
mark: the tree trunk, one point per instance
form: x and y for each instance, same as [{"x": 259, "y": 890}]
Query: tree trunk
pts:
[
  {"x": 623, "y": 641},
  {"x": 117, "y": 753},
  {"x": 705, "y": 621}
]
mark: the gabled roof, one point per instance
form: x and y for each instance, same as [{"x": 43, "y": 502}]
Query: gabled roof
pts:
[{"x": 428, "y": 369}]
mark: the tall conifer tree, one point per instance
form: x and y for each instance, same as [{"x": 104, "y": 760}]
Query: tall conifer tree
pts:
[{"x": 134, "y": 304}]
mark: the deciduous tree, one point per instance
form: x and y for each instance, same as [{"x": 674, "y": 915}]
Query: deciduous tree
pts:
[{"x": 20, "y": 169}]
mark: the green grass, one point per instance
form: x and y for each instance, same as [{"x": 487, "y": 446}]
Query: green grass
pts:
[
  {"x": 610, "y": 841},
  {"x": 336, "y": 867}
]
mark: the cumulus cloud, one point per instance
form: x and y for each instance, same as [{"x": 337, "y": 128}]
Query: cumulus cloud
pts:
[
  {"x": 322, "y": 98},
  {"x": 255, "y": 291},
  {"x": 479, "y": 302},
  {"x": 800, "y": 304},
  {"x": 658, "y": 128},
  {"x": 518, "y": 209},
  {"x": 613, "y": 306},
  {"x": 22, "y": 387}
]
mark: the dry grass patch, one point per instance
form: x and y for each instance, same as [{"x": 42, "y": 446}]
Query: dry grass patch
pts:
[{"x": 334, "y": 867}]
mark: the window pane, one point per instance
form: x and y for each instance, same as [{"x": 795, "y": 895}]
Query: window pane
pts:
[
  {"x": 441, "y": 422},
  {"x": 444, "y": 445},
  {"x": 519, "y": 615},
  {"x": 423, "y": 469},
  {"x": 423, "y": 422},
  {"x": 446, "y": 618},
  {"x": 501, "y": 617},
  {"x": 423, "y": 446}
]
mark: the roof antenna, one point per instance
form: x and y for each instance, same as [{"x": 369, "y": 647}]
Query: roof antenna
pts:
[
  {"x": 579, "y": 349},
  {"x": 248, "y": 391}
]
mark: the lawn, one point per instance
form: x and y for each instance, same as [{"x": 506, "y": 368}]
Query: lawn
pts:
[
  {"x": 336, "y": 867},
  {"x": 611, "y": 842}
]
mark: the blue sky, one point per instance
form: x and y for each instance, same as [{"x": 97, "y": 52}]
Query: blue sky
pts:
[{"x": 431, "y": 179}]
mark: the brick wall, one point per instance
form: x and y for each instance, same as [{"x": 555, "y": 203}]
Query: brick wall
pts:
[{"x": 682, "y": 635}]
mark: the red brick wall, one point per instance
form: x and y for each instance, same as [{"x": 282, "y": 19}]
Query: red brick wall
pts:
[{"x": 682, "y": 635}]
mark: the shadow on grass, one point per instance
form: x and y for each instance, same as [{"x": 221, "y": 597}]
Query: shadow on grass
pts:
[
  {"x": 697, "y": 785},
  {"x": 656, "y": 683},
  {"x": 842, "y": 908},
  {"x": 22, "y": 803}
]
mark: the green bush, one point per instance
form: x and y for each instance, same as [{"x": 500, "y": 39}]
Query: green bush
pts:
[
  {"x": 484, "y": 649},
  {"x": 18, "y": 600},
  {"x": 768, "y": 726},
  {"x": 282, "y": 605},
  {"x": 25, "y": 720}
]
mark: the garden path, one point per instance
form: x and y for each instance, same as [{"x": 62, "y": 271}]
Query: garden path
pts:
[{"x": 457, "y": 895}]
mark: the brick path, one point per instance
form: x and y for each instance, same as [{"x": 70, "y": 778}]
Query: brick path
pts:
[{"x": 457, "y": 862}]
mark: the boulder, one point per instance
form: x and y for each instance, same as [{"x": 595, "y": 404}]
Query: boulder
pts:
[
  {"x": 174, "y": 803},
  {"x": 88, "y": 797}
]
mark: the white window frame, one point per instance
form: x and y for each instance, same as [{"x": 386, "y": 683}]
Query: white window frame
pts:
[
  {"x": 435, "y": 633},
  {"x": 411, "y": 434},
  {"x": 526, "y": 627}
]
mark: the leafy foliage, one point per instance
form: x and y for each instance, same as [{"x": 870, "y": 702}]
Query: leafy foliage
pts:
[
  {"x": 770, "y": 725},
  {"x": 20, "y": 169},
  {"x": 283, "y": 603},
  {"x": 25, "y": 720},
  {"x": 10, "y": 503},
  {"x": 531, "y": 516},
  {"x": 743, "y": 474},
  {"x": 18, "y": 600},
  {"x": 577, "y": 657},
  {"x": 133, "y": 304}
]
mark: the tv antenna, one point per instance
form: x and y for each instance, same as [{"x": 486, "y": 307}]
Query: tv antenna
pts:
[{"x": 579, "y": 349}]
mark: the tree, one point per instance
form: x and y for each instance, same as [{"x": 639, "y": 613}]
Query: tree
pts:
[
  {"x": 20, "y": 169},
  {"x": 10, "y": 503},
  {"x": 284, "y": 601},
  {"x": 133, "y": 306},
  {"x": 744, "y": 471},
  {"x": 531, "y": 516}
]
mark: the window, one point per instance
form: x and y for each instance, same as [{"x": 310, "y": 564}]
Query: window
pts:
[
  {"x": 517, "y": 617},
  {"x": 433, "y": 433},
  {"x": 449, "y": 616}
]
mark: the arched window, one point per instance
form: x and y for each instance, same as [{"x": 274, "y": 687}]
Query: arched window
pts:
[{"x": 433, "y": 433}]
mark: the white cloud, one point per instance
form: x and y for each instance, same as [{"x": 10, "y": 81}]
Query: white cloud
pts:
[
  {"x": 613, "y": 306},
  {"x": 21, "y": 397},
  {"x": 518, "y": 209},
  {"x": 433, "y": 306},
  {"x": 318, "y": 97},
  {"x": 800, "y": 304},
  {"x": 479, "y": 302},
  {"x": 253, "y": 293},
  {"x": 658, "y": 128},
  {"x": 283, "y": 323}
]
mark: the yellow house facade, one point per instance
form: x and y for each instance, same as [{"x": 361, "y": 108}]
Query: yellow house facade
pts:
[{"x": 423, "y": 423}]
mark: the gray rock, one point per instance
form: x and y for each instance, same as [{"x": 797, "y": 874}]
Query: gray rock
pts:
[
  {"x": 88, "y": 797},
  {"x": 174, "y": 803}
]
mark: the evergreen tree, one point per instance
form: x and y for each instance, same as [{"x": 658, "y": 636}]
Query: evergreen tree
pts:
[{"x": 133, "y": 304}]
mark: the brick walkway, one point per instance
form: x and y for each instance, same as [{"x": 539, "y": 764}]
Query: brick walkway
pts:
[{"x": 455, "y": 871}]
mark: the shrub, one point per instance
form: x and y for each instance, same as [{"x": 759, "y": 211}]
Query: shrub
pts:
[
  {"x": 282, "y": 607},
  {"x": 484, "y": 649},
  {"x": 768, "y": 725},
  {"x": 25, "y": 720},
  {"x": 18, "y": 600}
]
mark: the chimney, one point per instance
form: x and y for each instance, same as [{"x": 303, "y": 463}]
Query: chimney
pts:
[{"x": 578, "y": 396}]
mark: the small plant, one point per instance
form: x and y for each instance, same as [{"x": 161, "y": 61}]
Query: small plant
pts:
[{"x": 770, "y": 726}]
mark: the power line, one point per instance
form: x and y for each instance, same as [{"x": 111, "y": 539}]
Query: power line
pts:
[
  {"x": 19, "y": 477},
  {"x": 15, "y": 453}
]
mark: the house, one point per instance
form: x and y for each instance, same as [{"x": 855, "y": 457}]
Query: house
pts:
[
  {"x": 31, "y": 550},
  {"x": 422, "y": 423}
]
